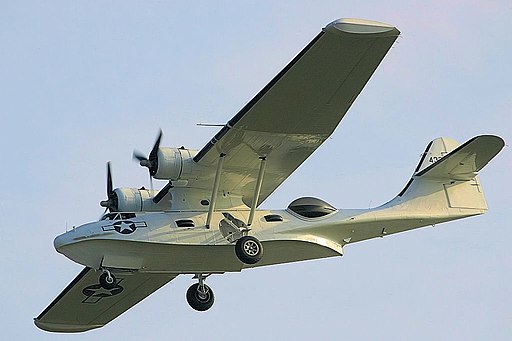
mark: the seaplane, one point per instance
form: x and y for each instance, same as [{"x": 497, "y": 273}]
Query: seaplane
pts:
[{"x": 205, "y": 220}]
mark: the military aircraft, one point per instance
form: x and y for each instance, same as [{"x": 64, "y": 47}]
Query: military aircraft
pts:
[{"x": 205, "y": 220}]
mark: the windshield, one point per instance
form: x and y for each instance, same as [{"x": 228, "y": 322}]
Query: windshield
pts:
[{"x": 118, "y": 216}]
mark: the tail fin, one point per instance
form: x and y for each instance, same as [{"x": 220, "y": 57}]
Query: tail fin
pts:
[
  {"x": 446, "y": 176},
  {"x": 436, "y": 150}
]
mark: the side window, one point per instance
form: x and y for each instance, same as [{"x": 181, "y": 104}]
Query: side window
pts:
[
  {"x": 271, "y": 218},
  {"x": 309, "y": 207},
  {"x": 185, "y": 223}
]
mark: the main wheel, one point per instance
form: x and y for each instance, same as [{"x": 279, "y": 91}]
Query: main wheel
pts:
[
  {"x": 107, "y": 281},
  {"x": 248, "y": 249},
  {"x": 200, "y": 300}
]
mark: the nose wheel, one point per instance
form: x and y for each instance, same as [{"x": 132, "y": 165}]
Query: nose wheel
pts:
[{"x": 200, "y": 296}]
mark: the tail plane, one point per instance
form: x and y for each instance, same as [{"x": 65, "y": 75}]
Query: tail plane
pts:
[
  {"x": 443, "y": 187},
  {"x": 446, "y": 182}
]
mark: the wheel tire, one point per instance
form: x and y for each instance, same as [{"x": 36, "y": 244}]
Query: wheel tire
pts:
[
  {"x": 107, "y": 282},
  {"x": 249, "y": 250},
  {"x": 197, "y": 302}
]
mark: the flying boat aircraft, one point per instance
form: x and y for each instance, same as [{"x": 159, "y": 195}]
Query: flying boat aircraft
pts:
[{"x": 205, "y": 220}]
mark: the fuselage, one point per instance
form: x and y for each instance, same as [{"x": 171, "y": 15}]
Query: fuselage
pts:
[{"x": 179, "y": 242}]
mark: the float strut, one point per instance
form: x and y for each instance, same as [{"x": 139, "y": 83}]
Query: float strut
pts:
[
  {"x": 257, "y": 190},
  {"x": 216, "y": 183}
]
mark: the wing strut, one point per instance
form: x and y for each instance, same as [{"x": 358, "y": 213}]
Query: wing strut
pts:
[
  {"x": 216, "y": 183},
  {"x": 257, "y": 190}
]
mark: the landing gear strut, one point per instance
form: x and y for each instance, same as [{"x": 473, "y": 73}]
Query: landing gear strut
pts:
[
  {"x": 107, "y": 280},
  {"x": 200, "y": 296}
]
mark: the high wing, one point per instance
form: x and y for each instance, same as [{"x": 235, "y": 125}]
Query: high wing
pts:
[
  {"x": 85, "y": 305},
  {"x": 298, "y": 110}
]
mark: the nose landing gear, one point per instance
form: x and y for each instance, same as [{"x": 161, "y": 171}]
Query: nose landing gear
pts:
[{"x": 200, "y": 296}]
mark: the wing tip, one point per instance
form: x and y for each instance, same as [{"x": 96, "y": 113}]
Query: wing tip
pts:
[
  {"x": 496, "y": 140},
  {"x": 63, "y": 328},
  {"x": 361, "y": 26}
]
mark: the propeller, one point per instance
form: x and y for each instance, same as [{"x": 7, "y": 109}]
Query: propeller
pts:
[
  {"x": 151, "y": 162},
  {"x": 111, "y": 203}
]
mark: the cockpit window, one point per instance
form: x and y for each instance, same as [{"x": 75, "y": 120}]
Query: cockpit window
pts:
[
  {"x": 108, "y": 216},
  {"x": 309, "y": 207},
  {"x": 118, "y": 216},
  {"x": 127, "y": 215}
]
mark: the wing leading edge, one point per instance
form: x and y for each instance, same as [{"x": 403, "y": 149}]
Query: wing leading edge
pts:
[
  {"x": 85, "y": 305},
  {"x": 298, "y": 110}
]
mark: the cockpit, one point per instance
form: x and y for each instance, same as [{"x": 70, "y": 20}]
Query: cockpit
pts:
[
  {"x": 309, "y": 207},
  {"x": 118, "y": 216}
]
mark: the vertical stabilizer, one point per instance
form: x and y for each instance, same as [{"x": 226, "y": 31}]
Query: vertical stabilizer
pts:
[
  {"x": 445, "y": 180},
  {"x": 443, "y": 187},
  {"x": 436, "y": 149}
]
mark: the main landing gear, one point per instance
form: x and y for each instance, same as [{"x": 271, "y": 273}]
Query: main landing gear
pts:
[
  {"x": 200, "y": 296},
  {"x": 248, "y": 249}
]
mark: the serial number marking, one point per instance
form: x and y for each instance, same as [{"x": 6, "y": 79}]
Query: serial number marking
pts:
[{"x": 434, "y": 159}]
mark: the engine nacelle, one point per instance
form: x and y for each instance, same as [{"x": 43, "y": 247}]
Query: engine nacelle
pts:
[
  {"x": 174, "y": 163},
  {"x": 140, "y": 200}
]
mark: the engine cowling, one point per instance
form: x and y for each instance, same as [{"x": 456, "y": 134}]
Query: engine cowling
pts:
[
  {"x": 174, "y": 163},
  {"x": 139, "y": 200}
]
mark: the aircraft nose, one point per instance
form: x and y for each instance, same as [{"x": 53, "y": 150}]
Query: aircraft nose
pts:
[{"x": 60, "y": 241}]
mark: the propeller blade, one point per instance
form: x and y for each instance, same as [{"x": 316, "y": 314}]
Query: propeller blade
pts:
[
  {"x": 154, "y": 151},
  {"x": 111, "y": 202},
  {"x": 138, "y": 156},
  {"x": 109, "y": 181},
  {"x": 151, "y": 162},
  {"x": 163, "y": 192}
]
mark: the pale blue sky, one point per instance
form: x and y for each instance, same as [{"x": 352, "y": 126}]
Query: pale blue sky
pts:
[{"x": 85, "y": 82}]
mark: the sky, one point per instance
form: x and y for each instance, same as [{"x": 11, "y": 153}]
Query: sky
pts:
[{"x": 86, "y": 82}]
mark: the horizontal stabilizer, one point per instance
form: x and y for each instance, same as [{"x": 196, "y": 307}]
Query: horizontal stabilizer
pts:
[{"x": 463, "y": 162}]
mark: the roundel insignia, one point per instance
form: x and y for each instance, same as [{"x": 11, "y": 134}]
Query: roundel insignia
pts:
[
  {"x": 95, "y": 293},
  {"x": 125, "y": 226}
]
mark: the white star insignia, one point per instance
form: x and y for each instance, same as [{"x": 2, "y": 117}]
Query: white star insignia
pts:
[{"x": 123, "y": 226}]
